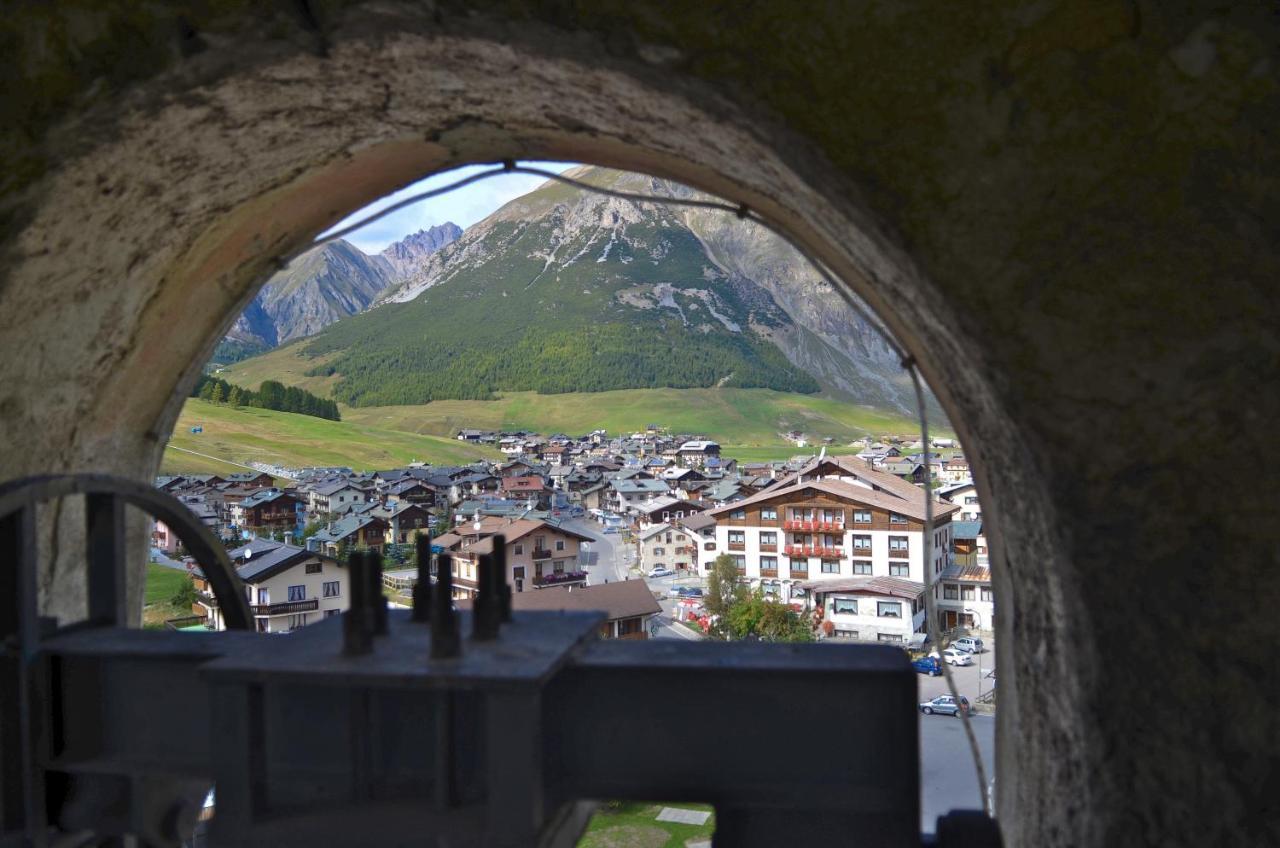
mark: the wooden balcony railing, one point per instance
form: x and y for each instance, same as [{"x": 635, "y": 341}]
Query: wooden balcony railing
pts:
[
  {"x": 768, "y": 572},
  {"x": 286, "y": 607},
  {"x": 560, "y": 579}
]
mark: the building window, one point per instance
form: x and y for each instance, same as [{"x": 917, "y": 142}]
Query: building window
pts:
[
  {"x": 331, "y": 589},
  {"x": 861, "y": 566},
  {"x": 659, "y": 551},
  {"x": 862, "y": 516},
  {"x": 519, "y": 549},
  {"x": 314, "y": 568},
  {"x": 897, "y": 543},
  {"x": 518, "y": 572},
  {"x": 844, "y": 606},
  {"x": 738, "y": 515},
  {"x": 971, "y": 501},
  {"x": 894, "y": 518},
  {"x": 559, "y": 544},
  {"x": 845, "y": 634},
  {"x": 737, "y": 537},
  {"x": 888, "y": 637},
  {"x": 297, "y": 593},
  {"x": 768, "y": 513},
  {"x": 899, "y": 569},
  {"x": 768, "y": 563},
  {"x": 862, "y": 543},
  {"x": 740, "y": 562},
  {"x": 889, "y": 609},
  {"x": 986, "y": 594},
  {"x": 966, "y": 593},
  {"x": 950, "y": 592},
  {"x": 799, "y": 566},
  {"x": 831, "y": 566},
  {"x": 332, "y": 613},
  {"x": 769, "y": 538},
  {"x": 296, "y": 621},
  {"x": 708, "y": 546}
]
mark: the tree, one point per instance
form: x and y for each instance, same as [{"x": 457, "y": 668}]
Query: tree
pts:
[
  {"x": 755, "y": 615},
  {"x": 236, "y": 396},
  {"x": 722, "y": 586},
  {"x": 217, "y": 395}
]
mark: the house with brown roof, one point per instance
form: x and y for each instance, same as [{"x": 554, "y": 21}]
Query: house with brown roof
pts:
[
  {"x": 540, "y": 554},
  {"x": 830, "y": 523},
  {"x": 628, "y": 605}
]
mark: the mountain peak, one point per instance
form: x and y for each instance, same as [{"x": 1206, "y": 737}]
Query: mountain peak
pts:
[{"x": 414, "y": 247}]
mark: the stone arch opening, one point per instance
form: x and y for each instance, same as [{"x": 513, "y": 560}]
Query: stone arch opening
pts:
[{"x": 179, "y": 215}]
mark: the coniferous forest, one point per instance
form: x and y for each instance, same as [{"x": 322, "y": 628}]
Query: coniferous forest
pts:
[{"x": 270, "y": 395}]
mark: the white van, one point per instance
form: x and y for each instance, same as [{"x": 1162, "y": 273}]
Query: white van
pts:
[{"x": 968, "y": 644}]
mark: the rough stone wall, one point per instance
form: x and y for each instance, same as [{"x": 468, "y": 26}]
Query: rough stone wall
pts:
[{"x": 1065, "y": 209}]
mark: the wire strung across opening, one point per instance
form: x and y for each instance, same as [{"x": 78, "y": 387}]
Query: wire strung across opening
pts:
[{"x": 907, "y": 362}]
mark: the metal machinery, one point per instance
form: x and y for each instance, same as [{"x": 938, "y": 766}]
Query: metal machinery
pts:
[{"x": 426, "y": 727}]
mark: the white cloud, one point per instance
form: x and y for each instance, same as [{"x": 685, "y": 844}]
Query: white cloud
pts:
[{"x": 463, "y": 206}]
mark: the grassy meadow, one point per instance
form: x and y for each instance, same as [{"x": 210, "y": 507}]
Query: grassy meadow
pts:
[{"x": 237, "y": 436}]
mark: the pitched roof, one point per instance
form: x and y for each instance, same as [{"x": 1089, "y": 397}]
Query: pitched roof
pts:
[
  {"x": 895, "y": 587},
  {"x": 967, "y": 573},
  {"x": 966, "y": 529},
  {"x": 697, "y": 521},
  {"x": 913, "y": 508},
  {"x": 653, "y": 530},
  {"x": 623, "y": 599},
  {"x": 262, "y": 558}
]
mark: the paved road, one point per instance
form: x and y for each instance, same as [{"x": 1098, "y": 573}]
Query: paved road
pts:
[
  {"x": 948, "y": 780},
  {"x": 613, "y": 558}
]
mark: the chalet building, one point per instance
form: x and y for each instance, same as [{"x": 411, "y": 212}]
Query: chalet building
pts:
[
  {"x": 334, "y": 496},
  {"x": 252, "y": 480},
  {"x": 868, "y": 525},
  {"x": 667, "y": 546},
  {"x": 956, "y": 470},
  {"x": 965, "y": 496},
  {"x": 266, "y": 512},
  {"x": 410, "y": 491},
  {"x": 404, "y": 521},
  {"x": 625, "y": 494},
  {"x": 695, "y": 453},
  {"x": 540, "y": 554},
  {"x": 527, "y": 487},
  {"x": 362, "y": 530},
  {"x": 964, "y": 598},
  {"x": 666, "y": 509},
  {"x": 871, "y": 609},
  {"x": 288, "y": 587}
]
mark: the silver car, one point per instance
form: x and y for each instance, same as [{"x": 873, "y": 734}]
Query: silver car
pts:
[{"x": 945, "y": 705}]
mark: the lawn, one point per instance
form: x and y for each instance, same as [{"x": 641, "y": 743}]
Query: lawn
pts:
[
  {"x": 234, "y": 436},
  {"x": 162, "y": 584},
  {"x": 622, "y": 824}
]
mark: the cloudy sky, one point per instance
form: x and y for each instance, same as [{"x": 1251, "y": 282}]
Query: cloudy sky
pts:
[{"x": 463, "y": 206}]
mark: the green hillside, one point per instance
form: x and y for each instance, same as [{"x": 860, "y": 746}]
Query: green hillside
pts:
[
  {"x": 749, "y": 419},
  {"x": 233, "y": 437}
]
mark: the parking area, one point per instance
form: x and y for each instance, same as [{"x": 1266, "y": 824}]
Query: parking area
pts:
[{"x": 972, "y": 681}]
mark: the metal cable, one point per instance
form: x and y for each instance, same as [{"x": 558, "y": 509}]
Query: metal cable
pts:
[
  {"x": 930, "y": 604},
  {"x": 908, "y": 363}
]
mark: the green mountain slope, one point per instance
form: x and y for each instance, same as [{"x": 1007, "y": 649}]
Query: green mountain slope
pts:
[{"x": 234, "y": 437}]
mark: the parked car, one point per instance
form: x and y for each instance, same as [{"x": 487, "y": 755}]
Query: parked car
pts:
[
  {"x": 661, "y": 571},
  {"x": 954, "y": 656},
  {"x": 690, "y": 592},
  {"x": 927, "y": 665},
  {"x": 969, "y": 644},
  {"x": 945, "y": 705}
]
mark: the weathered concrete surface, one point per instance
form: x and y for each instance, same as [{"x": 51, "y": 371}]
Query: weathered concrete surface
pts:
[{"x": 1067, "y": 210}]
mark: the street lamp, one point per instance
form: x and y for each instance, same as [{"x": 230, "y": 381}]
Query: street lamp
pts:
[{"x": 978, "y": 619}]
